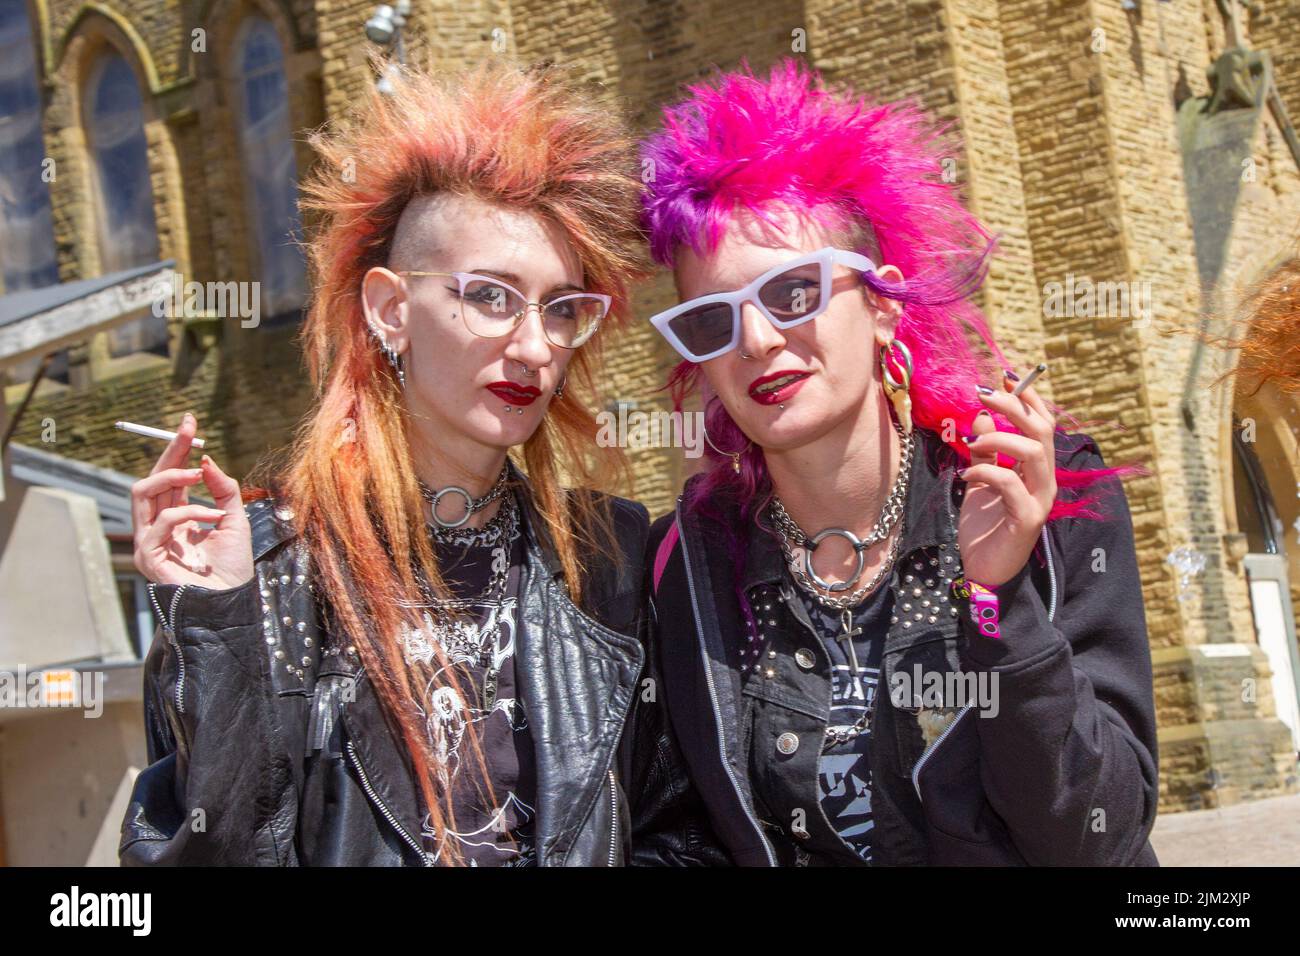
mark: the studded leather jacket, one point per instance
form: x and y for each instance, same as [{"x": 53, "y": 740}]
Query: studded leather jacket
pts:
[
  {"x": 1057, "y": 766},
  {"x": 267, "y": 744}
]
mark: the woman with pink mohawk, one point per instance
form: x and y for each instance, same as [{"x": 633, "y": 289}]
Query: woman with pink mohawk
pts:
[{"x": 881, "y": 633}]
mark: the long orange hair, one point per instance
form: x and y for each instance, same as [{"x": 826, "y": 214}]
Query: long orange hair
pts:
[{"x": 533, "y": 139}]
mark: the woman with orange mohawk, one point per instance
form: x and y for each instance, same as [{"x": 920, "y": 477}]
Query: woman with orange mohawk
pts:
[{"x": 408, "y": 652}]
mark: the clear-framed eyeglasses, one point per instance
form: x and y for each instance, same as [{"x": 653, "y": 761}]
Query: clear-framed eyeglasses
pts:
[{"x": 491, "y": 307}]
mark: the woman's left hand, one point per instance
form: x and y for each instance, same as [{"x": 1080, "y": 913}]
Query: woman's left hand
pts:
[{"x": 1005, "y": 508}]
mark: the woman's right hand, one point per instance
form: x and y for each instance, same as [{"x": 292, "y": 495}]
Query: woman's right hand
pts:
[{"x": 173, "y": 545}]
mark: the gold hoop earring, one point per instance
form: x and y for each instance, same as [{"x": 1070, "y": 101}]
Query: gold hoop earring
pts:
[
  {"x": 733, "y": 455},
  {"x": 897, "y": 391}
]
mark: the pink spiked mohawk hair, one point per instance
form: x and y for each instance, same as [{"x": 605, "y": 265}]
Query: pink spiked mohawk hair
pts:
[{"x": 874, "y": 175}]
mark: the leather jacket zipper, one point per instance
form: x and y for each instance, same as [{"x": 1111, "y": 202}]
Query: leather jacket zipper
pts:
[
  {"x": 613, "y": 826},
  {"x": 169, "y": 630},
  {"x": 1051, "y": 615},
  {"x": 388, "y": 815},
  {"x": 713, "y": 694}
]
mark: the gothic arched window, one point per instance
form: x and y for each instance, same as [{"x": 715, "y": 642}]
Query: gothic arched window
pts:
[
  {"x": 270, "y": 168},
  {"x": 128, "y": 236}
]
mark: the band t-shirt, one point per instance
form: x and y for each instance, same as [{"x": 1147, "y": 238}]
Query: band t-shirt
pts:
[
  {"x": 844, "y": 770},
  {"x": 481, "y": 649}
]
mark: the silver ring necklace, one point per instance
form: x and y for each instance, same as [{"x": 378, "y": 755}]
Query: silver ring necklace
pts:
[
  {"x": 472, "y": 505},
  {"x": 793, "y": 536}
]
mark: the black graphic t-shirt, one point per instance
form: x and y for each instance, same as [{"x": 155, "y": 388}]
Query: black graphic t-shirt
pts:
[
  {"x": 844, "y": 770},
  {"x": 481, "y": 647}
]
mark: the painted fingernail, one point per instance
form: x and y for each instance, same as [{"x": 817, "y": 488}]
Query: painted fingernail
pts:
[
  {"x": 983, "y": 389},
  {"x": 1011, "y": 375},
  {"x": 962, "y": 473},
  {"x": 972, "y": 439}
]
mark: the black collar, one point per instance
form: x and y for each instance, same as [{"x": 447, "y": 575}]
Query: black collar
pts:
[{"x": 929, "y": 517}]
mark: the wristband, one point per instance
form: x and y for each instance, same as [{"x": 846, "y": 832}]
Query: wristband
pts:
[{"x": 983, "y": 605}]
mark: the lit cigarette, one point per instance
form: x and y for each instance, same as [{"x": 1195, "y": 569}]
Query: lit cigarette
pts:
[
  {"x": 160, "y": 433},
  {"x": 1028, "y": 380}
]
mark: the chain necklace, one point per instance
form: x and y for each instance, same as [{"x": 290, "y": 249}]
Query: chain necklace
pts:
[
  {"x": 458, "y": 633},
  {"x": 490, "y": 533},
  {"x": 793, "y": 536},
  {"x": 472, "y": 505},
  {"x": 802, "y": 571}
]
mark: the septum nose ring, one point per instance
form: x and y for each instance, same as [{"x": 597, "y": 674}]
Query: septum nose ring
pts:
[{"x": 529, "y": 372}]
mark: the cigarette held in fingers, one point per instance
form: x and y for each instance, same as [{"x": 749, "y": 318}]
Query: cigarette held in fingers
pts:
[
  {"x": 160, "y": 433},
  {"x": 1028, "y": 380}
]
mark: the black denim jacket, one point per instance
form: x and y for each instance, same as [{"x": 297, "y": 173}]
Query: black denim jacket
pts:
[{"x": 1065, "y": 773}]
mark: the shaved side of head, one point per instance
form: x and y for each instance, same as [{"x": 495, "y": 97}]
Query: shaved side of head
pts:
[{"x": 418, "y": 238}]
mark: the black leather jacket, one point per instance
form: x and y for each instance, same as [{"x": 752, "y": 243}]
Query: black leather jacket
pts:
[
  {"x": 266, "y": 741},
  {"x": 1064, "y": 773}
]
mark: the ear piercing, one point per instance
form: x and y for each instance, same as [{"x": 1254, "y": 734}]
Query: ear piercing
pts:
[{"x": 390, "y": 353}]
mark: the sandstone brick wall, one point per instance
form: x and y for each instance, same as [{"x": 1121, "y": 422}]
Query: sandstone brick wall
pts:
[{"x": 1273, "y": 25}]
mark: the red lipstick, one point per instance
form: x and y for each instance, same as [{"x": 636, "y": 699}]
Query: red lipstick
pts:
[
  {"x": 514, "y": 393},
  {"x": 777, "y": 387}
]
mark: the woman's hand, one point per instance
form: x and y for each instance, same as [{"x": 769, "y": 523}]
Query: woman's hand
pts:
[
  {"x": 171, "y": 544},
  {"x": 1005, "y": 508}
]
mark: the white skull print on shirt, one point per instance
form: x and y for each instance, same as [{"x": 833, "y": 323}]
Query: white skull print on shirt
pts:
[{"x": 477, "y": 633}]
